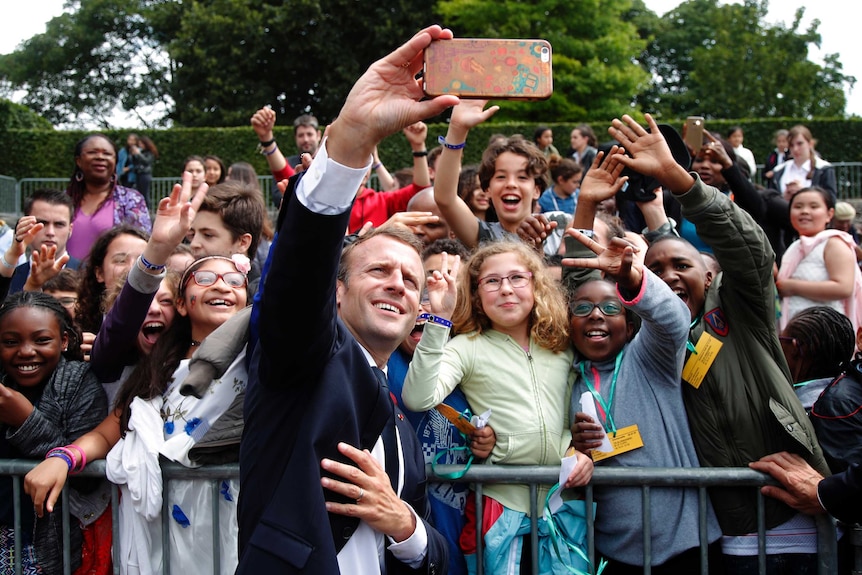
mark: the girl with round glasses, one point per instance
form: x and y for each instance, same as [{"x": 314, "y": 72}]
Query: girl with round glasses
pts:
[
  {"x": 153, "y": 419},
  {"x": 511, "y": 355}
]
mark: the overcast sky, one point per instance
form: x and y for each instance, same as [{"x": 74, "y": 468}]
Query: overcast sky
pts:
[{"x": 837, "y": 28}]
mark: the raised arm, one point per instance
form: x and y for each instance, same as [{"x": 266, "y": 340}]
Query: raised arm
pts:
[
  {"x": 263, "y": 122},
  {"x": 118, "y": 334},
  {"x": 465, "y": 116}
]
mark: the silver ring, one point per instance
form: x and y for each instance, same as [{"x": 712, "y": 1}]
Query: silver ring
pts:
[{"x": 361, "y": 495}]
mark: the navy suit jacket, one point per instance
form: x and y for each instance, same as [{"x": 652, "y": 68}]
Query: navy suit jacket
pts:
[
  {"x": 310, "y": 387},
  {"x": 841, "y": 494},
  {"x": 22, "y": 272}
]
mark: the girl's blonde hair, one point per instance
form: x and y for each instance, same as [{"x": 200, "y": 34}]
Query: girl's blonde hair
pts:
[{"x": 549, "y": 324}]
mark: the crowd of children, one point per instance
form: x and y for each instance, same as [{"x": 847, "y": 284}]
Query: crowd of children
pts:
[{"x": 645, "y": 353}]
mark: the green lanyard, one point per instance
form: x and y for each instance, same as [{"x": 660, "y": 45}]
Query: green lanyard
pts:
[
  {"x": 606, "y": 406},
  {"x": 803, "y": 383},
  {"x": 688, "y": 345},
  {"x": 557, "y": 534},
  {"x": 461, "y": 472}
]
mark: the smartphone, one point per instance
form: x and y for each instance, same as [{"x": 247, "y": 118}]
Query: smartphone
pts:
[
  {"x": 694, "y": 133},
  {"x": 489, "y": 69}
]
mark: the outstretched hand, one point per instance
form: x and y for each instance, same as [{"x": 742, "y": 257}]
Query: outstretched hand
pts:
[
  {"x": 650, "y": 154},
  {"x": 384, "y": 100},
  {"x": 616, "y": 260},
  {"x": 470, "y": 113},
  {"x": 175, "y": 213},
  {"x": 442, "y": 288},
  {"x": 603, "y": 180}
]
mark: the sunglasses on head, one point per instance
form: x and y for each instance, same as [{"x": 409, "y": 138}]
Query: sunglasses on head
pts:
[
  {"x": 206, "y": 278},
  {"x": 608, "y": 307}
]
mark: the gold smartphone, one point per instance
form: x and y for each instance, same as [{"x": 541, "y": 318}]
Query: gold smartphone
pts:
[
  {"x": 693, "y": 133},
  {"x": 489, "y": 69}
]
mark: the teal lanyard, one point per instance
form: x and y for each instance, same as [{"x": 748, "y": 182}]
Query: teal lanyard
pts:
[
  {"x": 605, "y": 405},
  {"x": 460, "y": 473},
  {"x": 556, "y": 533},
  {"x": 688, "y": 344},
  {"x": 803, "y": 383}
]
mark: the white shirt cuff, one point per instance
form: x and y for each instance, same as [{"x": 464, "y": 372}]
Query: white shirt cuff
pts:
[
  {"x": 412, "y": 550},
  {"x": 328, "y": 188}
]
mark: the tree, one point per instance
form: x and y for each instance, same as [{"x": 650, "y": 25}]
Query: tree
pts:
[
  {"x": 723, "y": 61},
  {"x": 233, "y": 56},
  {"x": 17, "y": 117},
  {"x": 88, "y": 61},
  {"x": 595, "y": 73}
]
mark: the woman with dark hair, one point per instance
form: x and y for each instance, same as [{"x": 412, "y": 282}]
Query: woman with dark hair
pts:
[
  {"x": 214, "y": 170},
  {"x": 543, "y": 137},
  {"x": 100, "y": 204},
  {"x": 146, "y": 155},
  {"x": 111, "y": 256},
  {"x": 50, "y": 397},
  {"x": 153, "y": 418}
]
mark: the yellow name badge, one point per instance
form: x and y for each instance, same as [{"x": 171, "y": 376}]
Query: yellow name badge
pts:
[
  {"x": 627, "y": 439},
  {"x": 698, "y": 362}
]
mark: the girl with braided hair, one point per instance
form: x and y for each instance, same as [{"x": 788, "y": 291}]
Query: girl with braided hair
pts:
[{"x": 47, "y": 397}]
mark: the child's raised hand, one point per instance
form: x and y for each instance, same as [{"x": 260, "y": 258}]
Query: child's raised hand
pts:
[
  {"x": 470, "y": 113},
  {"x": 603, "y": 180},
  {"x": 616, "y": 260},
  {"x": 442, "y": 289},
  {"x": 651, "y": 155},
  {"x": 175, "y": 213}
]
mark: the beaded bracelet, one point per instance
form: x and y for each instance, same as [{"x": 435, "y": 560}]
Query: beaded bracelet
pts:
[
  {"x": 435, "y": 319},
  {"x": 442, "y": 141}
]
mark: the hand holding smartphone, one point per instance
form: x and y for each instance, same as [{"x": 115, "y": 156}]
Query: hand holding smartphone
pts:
[{"x": 489, "y": 69}]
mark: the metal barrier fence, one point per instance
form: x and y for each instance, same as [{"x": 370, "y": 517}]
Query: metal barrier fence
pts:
[{"x": 646, "y": 478}]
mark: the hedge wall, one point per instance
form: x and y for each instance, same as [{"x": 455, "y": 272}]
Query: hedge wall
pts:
[{"x": 48, "y": 153}]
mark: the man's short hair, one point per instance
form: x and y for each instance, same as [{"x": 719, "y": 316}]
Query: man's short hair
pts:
[
  {"x": 53, "y": 197},
  {"x": 305, "y": 120},
  {"x": 240, "y": 207},
  {"x": 398, "y": 233}
]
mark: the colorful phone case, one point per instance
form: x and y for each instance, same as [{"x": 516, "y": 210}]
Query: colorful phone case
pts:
[{"x": 489, "y": 69}]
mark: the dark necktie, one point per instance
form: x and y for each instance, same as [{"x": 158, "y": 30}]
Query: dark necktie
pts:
[{"x": 390, "y": 443}]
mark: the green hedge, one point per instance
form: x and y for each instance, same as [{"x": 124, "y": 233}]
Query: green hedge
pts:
[{"x": 49, "y": 153}]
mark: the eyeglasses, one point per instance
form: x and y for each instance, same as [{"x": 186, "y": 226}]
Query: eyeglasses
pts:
[
  {"x": 67, "y": 301},
  {"x": 608, "y": 307},
  {"x": 494, "y": 283},
  {"x": 206, "y": 278}
]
